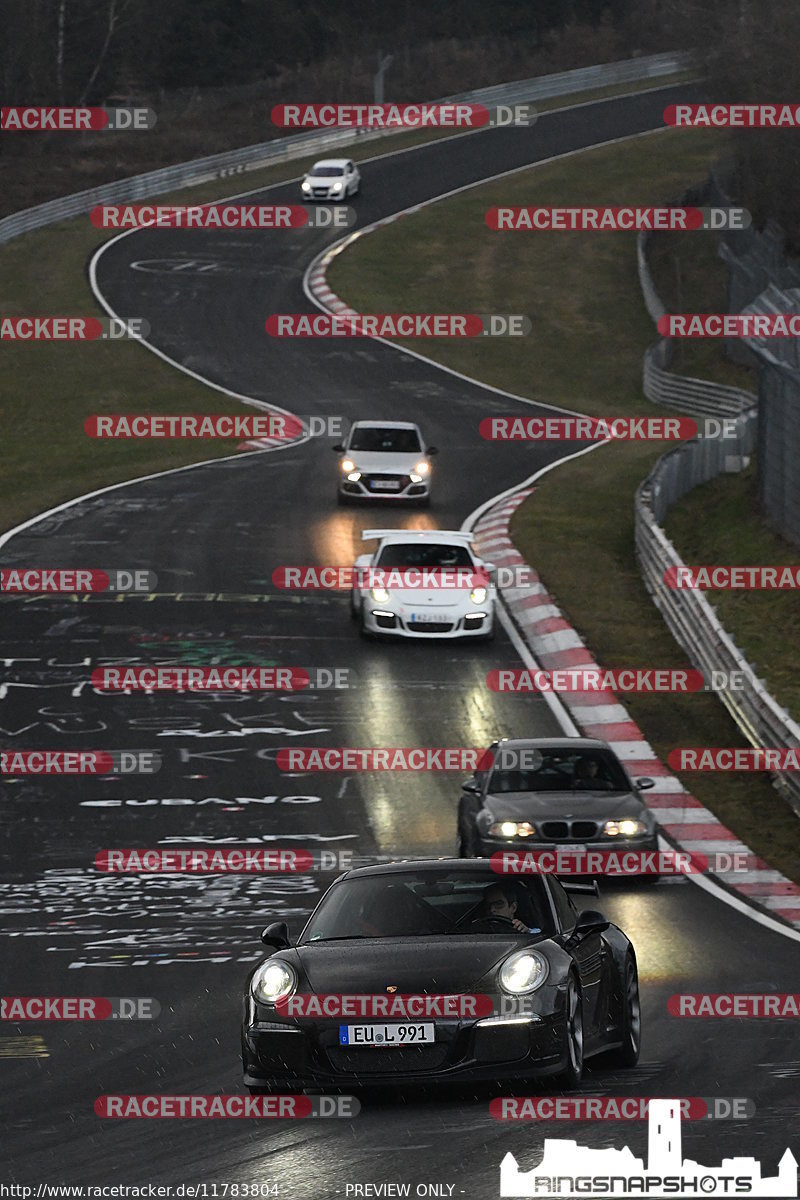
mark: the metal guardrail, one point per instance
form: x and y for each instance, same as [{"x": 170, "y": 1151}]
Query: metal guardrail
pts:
[
  {"x": 687, "y": 613},
  {"x": 251, "y": 158}
]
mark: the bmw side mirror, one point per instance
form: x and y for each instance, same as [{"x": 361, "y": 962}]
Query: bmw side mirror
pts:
[
  {"x": 471, "y": 785},
  {"x": 589, "y": 921},
  {"x": 644, "y": 784},
  {"x": 432, "y": 450},
  {"x": 339, "y": 448},
  {"x": 276, "y": 935}
]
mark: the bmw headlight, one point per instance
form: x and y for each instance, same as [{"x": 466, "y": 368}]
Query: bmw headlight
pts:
[
  {"x": 273, "y": 981},
  {"x": 478, "y": 595},
  {"x": 511, "y": 829},
  {"x": 624, "y": 827},
  {"x": 380, "y": 595},
  {"x": 523, "y": 972}
]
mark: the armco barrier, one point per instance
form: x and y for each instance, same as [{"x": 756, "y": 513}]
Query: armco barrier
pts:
[
  {"x": 250, "y": 158},
  {"x": 687, "y": 613}
]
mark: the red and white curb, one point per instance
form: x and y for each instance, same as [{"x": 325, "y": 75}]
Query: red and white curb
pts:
[
  {"x": 316, "y": 278},
  {"x": 683, "y": 820}
]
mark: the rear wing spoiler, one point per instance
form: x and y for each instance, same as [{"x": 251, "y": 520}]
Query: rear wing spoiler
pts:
[
  {"x": 454, "y": 535},
  {"x": 585, "y": 889}
]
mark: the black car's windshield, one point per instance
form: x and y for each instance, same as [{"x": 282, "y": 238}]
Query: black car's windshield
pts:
[
  {"x": 424, "y": 554},
  {"x": 385, "y": 441},
  {"x": 425, "y": 904},
  {"x": 326, "y": 172},
  {"x": 524, "y": 770}
]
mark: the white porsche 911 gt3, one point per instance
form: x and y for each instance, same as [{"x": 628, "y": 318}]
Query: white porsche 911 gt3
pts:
[{"x": 423, "y": 583}]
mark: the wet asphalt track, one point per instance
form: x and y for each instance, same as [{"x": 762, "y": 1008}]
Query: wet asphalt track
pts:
[{"x": 219, "y": 531}]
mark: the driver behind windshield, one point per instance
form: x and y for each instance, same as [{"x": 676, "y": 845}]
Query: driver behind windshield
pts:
[{"x": 500, "y": 901}]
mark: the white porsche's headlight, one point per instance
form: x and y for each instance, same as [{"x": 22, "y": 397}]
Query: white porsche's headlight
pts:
[
  {"x": 380, "y": 595},
  {"x": 478, "y": 595},
  {"x": 523, "y": 972},
  {"x": 273, "y": 981}
]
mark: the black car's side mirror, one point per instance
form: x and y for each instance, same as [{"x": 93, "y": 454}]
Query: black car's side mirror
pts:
[
  {"x": 432, "y": 450},
  {"x": 472, "y": 786},
  {"x": 644, "y": 784},
  {"x": 276, "y": 935},
  {"x": 589, "y": 921},
  {"x": 339, "y": 447}
]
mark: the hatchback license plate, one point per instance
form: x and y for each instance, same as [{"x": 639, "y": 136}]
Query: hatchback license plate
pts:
[
  {"x": 385, "y": 485},
  {"x": 385, "y": 1035}
]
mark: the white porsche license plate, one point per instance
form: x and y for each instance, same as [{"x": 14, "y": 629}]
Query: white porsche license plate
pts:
[
  {"x": 385, "y": 1035},
  {"x": 426, "y": 618},
  {"x": 385, "y": 485}
]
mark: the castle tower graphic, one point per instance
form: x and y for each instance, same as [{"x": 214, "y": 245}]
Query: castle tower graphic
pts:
[{"x": 563, "y": 1161}]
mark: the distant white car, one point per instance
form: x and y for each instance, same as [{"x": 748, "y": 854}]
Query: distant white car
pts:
[
  {"x": 384, "y": 460},
  {"x": 331, "y": 179},
  {"x": 435, "y": 557}
]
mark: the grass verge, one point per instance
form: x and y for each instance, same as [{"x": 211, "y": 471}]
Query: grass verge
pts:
[{"x": 590, "y": 330}]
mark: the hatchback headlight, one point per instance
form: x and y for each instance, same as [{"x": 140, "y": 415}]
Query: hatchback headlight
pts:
[
  {"x": 423, "y": 467},
  {"x": 273, "y": 981},
  {"x": 347, "y": 464},
  {"x": 523, "y": 972},
  {"x": 510, "y": 829},
  {"x": 306, "y": 186},
  {"x": 624, "y": 827}
]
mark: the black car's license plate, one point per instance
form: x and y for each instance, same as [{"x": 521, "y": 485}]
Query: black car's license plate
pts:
[{"x": 385, "y": 1035}]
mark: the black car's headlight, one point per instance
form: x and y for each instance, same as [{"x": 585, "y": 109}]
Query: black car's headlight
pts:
[
  {"x": 624, "y": 827},
  {"x": 512, "y": 829},
  {"x": 523, "y": 972},
  {"x": 273, "y": 981}
]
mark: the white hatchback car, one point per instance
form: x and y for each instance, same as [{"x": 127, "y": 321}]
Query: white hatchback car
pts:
[
  {"x": 384, "y": 460},
  {"x": 423, "y": 583},
  {"x": 331, "y": 179}
]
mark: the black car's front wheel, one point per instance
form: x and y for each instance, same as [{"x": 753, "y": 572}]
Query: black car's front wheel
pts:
[
  {"x": 627, "y": 1055},
  {"x": 571, "y": 1076}
]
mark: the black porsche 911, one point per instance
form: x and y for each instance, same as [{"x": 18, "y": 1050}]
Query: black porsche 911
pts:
[{"x": 440, "y": 970}]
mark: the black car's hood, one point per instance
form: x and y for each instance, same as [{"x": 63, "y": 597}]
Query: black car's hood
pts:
[
  {"x": 441, "y": 965},
  {"x": 555, "y": 806}
]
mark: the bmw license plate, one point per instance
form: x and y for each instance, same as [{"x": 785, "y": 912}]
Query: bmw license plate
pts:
[
  {"x": 385, "y": 485},
  {"x": 385, "y": 1035}
]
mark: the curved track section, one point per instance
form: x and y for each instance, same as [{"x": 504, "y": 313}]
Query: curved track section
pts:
[{"x": 213, "y": 535}]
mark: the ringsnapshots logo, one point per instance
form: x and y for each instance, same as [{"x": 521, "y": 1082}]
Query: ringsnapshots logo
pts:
[
  {"x": 38, "y": 119},
  {"x": 568, "y": 1169}
]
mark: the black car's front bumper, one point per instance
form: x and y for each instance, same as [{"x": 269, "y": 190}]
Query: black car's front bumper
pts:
[{"x": 309, "y": 1054}]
